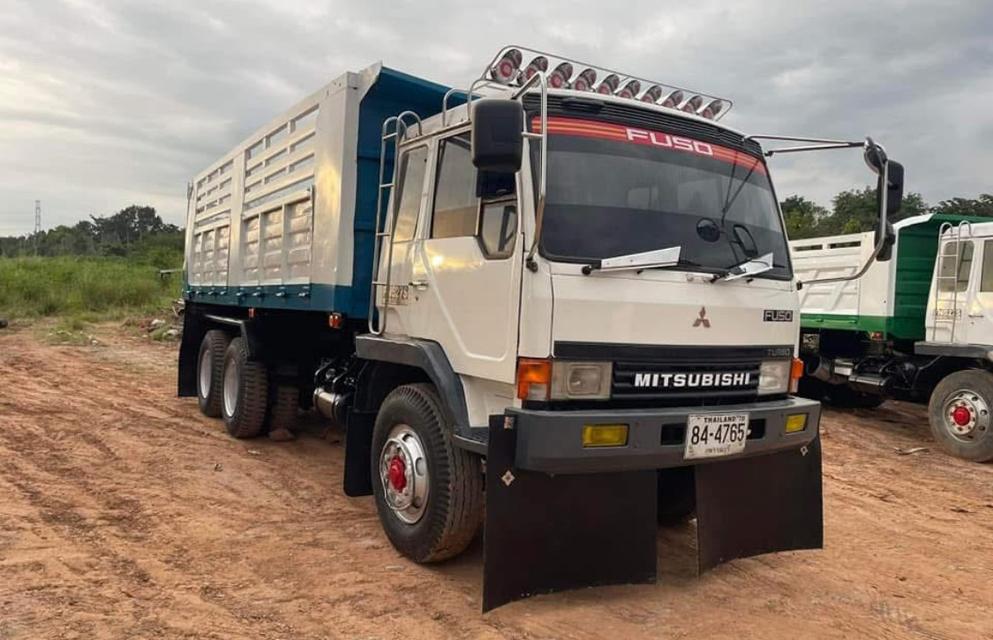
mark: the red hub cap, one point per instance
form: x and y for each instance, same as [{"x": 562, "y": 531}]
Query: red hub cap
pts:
[
  {"x": 398, "y": 473},
  {"x": 962, "y": 416}
]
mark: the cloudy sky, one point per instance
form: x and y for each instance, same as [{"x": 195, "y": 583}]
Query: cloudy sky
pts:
[{"x": 107, "y": 103}]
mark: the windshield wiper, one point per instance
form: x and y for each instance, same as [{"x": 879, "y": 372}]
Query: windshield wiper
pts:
[
  {"x": 746, "y": 269},
  {"x": 668, "y": 257}
]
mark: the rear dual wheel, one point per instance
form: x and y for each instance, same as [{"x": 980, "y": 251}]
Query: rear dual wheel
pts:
[
  {"x": 245, "y": 392},
  {"x": 210, "y": 372}
]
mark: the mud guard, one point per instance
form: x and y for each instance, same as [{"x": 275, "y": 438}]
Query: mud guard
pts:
[
  {"x": 759, "y": 505},
  {"x": 550, "y": 533},
  {"x": 357, "y": 477}
]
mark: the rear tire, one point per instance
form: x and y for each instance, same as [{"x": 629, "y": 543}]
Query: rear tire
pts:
[
  {"x": 677, "y": 495},
  {"x": 246, "y": 392},
  {"x": 283, "y": 412},
  {"x": 210, "y": 372},
  {"x": 972, "y": 391},
  {"x": 429, "y": 494}
]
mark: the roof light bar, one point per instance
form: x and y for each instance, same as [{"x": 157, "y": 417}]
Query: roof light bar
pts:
[
  {"x": 505, "y": 69},
  {"x": 559, "y": 79},
  {"x": 585, "y": 80}
]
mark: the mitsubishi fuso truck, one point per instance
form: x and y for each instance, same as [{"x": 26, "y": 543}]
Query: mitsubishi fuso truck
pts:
[
  {"x": 559, "y": 300},
  {"x": 918, "y": 327}
]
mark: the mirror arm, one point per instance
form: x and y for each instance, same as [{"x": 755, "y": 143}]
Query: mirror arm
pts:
[
  {"x": 880, "y": 243},
  {"x": 539, "y": 205}
]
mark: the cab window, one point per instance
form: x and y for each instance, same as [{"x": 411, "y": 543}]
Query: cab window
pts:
[
  {"x": 951, "y": 278},
  {"x": 455, "y": 202},
  {"x": 413, "y": 167},
  {"x": 986, "y": 281},
  {"x": 460, "y": 212}
]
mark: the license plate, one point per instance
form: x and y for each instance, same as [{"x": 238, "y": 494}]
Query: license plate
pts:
[{"x": 711, "y": 435}]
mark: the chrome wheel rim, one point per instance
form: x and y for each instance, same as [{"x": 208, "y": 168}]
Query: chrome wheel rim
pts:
[
  {"x": 403, "y": 471},
  {"x": 206, "y": 371},
  {"x": 966, "y": 415},
  {"x": 231, "y": 388}
]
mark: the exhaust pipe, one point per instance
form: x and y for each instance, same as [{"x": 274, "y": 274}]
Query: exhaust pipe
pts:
[{"x": 824, "y": 371}]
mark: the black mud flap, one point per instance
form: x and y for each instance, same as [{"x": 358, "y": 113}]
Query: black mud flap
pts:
[
  {"x": 759, "y": 505},
  {"x": 358, "y": 453},
  {"x": 550, "y": 533}
]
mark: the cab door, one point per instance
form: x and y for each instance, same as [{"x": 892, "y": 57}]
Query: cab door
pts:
[
  {"x": 466, "y": 267},
  {"x": 981, "y": 311}
]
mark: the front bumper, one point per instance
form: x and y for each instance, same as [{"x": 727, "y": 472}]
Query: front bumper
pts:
[{"x": 551, "y": 441}]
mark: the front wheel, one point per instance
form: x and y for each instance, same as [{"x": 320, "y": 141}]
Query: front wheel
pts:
[
  {"x": 429, "y": 494},
  {"x": 959, "y": 413}
]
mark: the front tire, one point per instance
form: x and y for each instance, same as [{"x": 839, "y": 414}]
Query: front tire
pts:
[
  {"x": 210, "y": 372},
  {"x": 246, "y": 392},
  {"x": 429, "y": 494},
  {"x": 960, "y": 414}
]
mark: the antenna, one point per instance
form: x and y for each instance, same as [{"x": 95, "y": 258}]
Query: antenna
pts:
[{"x": 37, "y": 225}]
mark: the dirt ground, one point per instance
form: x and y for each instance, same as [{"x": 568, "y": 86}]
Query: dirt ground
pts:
[{"x": 126, "y": 514}]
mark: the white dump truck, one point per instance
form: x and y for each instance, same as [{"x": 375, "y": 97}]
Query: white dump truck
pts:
[
  {"x": 917, "y": 327},
  {"x": 561, "y": 297}
]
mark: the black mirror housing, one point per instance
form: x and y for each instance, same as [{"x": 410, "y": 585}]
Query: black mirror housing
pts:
[
  {"x": 894, "y": 190},
  {"x": 497, "y": 135}
]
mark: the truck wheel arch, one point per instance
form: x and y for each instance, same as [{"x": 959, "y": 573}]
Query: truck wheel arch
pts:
[
  {"x": 393, "y": 361},
  {"x": 196, "y": 324}
]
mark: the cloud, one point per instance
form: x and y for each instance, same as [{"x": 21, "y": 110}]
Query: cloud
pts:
[{"x": 107, "y": 103}]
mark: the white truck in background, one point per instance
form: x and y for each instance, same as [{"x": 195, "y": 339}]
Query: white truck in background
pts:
[
  {"x": 565, "y": 284},
  {"x": 918, "y": 327}
]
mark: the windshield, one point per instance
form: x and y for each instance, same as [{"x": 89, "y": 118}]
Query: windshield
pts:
[{"x": 615, "y": 190}]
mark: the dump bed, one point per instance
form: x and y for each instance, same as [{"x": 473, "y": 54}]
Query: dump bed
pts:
[
  {"x": 890, "y": 297},
  {"x": 285, "y": 220}
]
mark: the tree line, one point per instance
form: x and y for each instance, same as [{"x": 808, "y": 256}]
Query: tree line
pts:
[
  {"x": 134, "y": 231},
  {"x": 855, "y": 210},
  {"x": 138, "y": 230}
]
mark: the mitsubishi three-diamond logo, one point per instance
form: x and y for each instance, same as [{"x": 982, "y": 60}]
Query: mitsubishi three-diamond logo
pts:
[{"x": 701, "y": 320}]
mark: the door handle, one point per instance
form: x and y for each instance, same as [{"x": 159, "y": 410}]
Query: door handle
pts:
[{"x": 420, "y": 285}]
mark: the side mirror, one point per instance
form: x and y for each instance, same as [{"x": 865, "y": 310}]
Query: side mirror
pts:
[
  {"x": 497, "y": 135},
  {"x": 887, "y": 251},
  {"x": 894, "y": 190}
]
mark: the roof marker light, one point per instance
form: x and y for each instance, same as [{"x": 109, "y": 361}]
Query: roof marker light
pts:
[
  {"x": 609, "y": 85},
  {"x": 711, "y": 110},
  {"x": 693, "y": 104},
  {"x": 506, "y": 67},
  {"x": 585, "y": 80},
  {"x": 540, "y": 63},
  {"x": 559, "y": 79},
  {"x": 630, "y": 90},
  {"x": 653, "y": 94},
  {"x": 673, "y": 99}
]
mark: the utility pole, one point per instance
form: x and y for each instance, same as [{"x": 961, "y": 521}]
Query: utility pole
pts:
[{"x": 37, "y": 225}]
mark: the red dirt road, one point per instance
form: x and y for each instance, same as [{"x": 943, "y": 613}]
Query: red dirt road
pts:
[{"x": 126, "y": 514}]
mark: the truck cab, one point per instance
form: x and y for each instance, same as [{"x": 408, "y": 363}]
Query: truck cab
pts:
[{"x": 558, "y": 340}]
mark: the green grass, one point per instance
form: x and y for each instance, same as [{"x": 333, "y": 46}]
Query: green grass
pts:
[{"x": 86, "y": 289}]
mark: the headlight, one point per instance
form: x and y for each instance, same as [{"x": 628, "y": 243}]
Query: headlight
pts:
[
  {"x": 774, "y": 377},
  {"x": 581, "y": 380}
]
